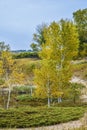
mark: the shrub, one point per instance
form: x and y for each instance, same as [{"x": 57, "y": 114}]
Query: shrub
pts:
[
  {"x": 25, "y": 55},
  {"x": 38, "y": 116}
]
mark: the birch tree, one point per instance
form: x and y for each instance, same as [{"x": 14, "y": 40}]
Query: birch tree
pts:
[
  {"x": 60, "y": 47},
  {"x": 9, "y": 73}
]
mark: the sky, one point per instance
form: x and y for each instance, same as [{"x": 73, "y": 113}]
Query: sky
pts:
[{"x": 20, "y": 18}]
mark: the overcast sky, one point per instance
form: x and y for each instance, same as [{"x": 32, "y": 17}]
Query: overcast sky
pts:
[{"x": 19, "y": 18}]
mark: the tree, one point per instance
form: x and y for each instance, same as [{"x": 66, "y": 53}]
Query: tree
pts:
[
  {"x": 75, "y": 91},
  {"x": 34, "y": 47},
  {"x": 60, "y": 47},
  {"x": 38, "y": 37},
  {"x": 4, "y": 47},
  {"x": 29, "y": 75},
  {"x": 80, "y": 19},
  {"x": 45, "y": 80},
  {"x": 6, "y": 68},
  {"x": 10, "y": 74}
]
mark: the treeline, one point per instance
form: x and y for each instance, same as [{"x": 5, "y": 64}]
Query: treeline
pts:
[{"x": 25, "y": 55}]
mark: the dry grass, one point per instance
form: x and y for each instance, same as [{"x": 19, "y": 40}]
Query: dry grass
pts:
[{"x": 27, "y": 60}]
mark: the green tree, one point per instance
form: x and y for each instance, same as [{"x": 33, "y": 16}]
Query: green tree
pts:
[
  {"x": 4, "y": 47},
  {"x": 75, "y": 91},
  {"x": 60, "y": 47},
  {"x": 80, "y": 18},
  {"x": 38, "y": 37},
  {"x": 34, "y": 47}
]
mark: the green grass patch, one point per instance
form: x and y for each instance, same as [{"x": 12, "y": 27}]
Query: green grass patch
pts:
[{"x": 40, "y": 116}]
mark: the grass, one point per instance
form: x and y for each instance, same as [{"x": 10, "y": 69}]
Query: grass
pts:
[
  {"x": 27, "y": 61},
  {"x": 26, "y": 117},
  {"x": 80, "y": 68}
]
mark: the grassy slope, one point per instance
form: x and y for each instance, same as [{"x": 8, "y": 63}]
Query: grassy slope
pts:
[
  {"x": 27, "y": 61},
  {"x": 80, "y": 67}
]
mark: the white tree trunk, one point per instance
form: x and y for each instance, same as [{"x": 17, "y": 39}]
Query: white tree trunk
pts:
[
  {"x": 9, "y": 97},
  {"x": 48, "y": 102},
  {"x": 48, "y": 96},
  {"x": 31, "y": 91}
]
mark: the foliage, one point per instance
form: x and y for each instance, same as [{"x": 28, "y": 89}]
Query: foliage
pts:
[
  {"x": 34, "y": 47},
  {"x": 80, "y": 18},
  {"x": 6, "y": 65},
  {"x": 32, "y": 117},
  {"x": 38, "y": 37},
  {"x": 75, "y": 91},
  {"x": 24, "y": 90},
  {"x": 4, "y": 47},
  {"x": 25, "y": 55},
  {"x": 9, "y": 72},
  {"x": 56, "y": 54}
]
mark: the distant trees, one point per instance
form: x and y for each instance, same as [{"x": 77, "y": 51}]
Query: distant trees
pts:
[
  {"x": 56, "y": 54},
  {"x": 25, "y": 55},
  {"x": 80, "y": 18}
]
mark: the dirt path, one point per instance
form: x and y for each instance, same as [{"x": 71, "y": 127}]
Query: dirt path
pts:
[{"x": 78, "y": 80}]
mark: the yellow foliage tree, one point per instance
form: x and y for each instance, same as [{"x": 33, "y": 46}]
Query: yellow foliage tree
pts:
[
  {"x": 60, "y": 47},
  {"x": 10, "y": 73}
]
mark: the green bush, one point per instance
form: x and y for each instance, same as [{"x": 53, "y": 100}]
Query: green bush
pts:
[
  {"x": 25, "y": 55},
  {"x": 38, "y": 116},
  {"x": 23, "y": 89},
  {"x": 26, "y": 99}
]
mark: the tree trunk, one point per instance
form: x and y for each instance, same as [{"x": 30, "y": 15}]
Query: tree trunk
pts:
[
  {"x": 48, "y": 96},
  {"x": 8, "y": 100},
  {"x": 31, "y": 91},
  {"x": 48, "y": 102},
  {"x": 59, "y": 99}
]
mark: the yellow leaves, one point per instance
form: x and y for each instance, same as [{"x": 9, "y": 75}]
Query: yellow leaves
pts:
[
  {"x": 7, "y": 62},
  {"x": 57, "y": 52},
  {"x": 40, "y": 92},
  {"x": 7, "y": 56},
  {"x": 17, "y": 78},
  {"x": 57, "y": 94},
  {"x": 11, "y": 73},
  {"x": 1, "y": 68}
]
